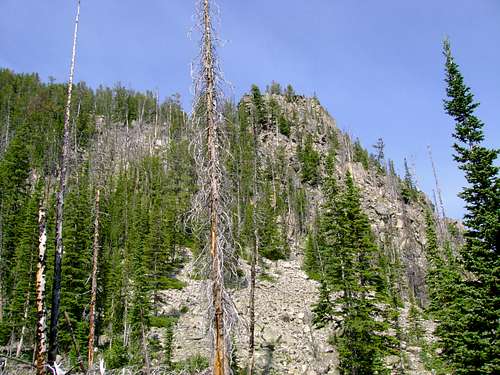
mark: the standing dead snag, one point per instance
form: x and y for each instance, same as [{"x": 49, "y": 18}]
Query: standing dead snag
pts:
[
  {"x": 211, "y": 201},
  {"x": 56, "y": 287},
  {"x": 40, "y": 290},
  {"x": 438, "y": 189},
  {"x": 255, "y": 252}
]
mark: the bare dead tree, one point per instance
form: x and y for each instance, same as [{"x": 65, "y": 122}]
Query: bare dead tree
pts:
[
  {"x": 144, "y": 343},
  {"x": 255, "y": 252},
  {"x": 40, "y": 287},
  {"x": 436, "y": 181},
  {"x": 93, "y": 291},
  {"x": 211, "y": 203},
  {"x": 56, "y": 289}
]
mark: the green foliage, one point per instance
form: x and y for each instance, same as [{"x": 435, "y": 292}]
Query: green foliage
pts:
[
  {"x": 144, "y": 202},
  {"x": 468, "y": 310},
  {"x": 347, "y": 248},
  {"x": 284, "y": 125},
  {"x": 323, "y": 310},
  {"x": 192, "y": 365},
  {"x": 409, "y": 191},
  {"x": 259, "y": 108},
  {"x": 360, "y": 155},
  {"x": 274, "y": 88},
  {"x": 309, "y": 160},
  {"x": 116, "y": 356},
  {"x": 273, "y": 242},
  {"x": 312, "y": 262},
  {"x": 290, "y": 94}
]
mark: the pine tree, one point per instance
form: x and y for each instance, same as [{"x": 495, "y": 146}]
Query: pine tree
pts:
[{"x": 469, "y": 327}]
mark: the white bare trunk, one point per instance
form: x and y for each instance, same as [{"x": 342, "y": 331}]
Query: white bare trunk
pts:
[{"x": 40, "y": 291}]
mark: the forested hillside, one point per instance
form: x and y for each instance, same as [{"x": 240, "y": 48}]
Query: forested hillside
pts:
[{"x": 136, "y": 153}]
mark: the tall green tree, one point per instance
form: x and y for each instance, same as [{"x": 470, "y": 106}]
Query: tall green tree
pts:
[
  {"x": 469, "y": 328},
  {"x": 347, "y": 248}
]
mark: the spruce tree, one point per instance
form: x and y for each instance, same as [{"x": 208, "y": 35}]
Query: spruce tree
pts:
[
  {"x": 469, "y": 327},
  {"x": 347, "y": 249}
]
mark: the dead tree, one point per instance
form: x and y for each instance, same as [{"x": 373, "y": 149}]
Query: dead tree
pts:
[
  {"x": 40, "y": 289},
  {"x": 211, "y": 202},
  {"x": 144, "y": 344},
  {"x": 93, "y": 291},
  {"x": 438, "y": 189},
  {"x": 255, "y": 252},
  {"x": 63, "y": 163}
]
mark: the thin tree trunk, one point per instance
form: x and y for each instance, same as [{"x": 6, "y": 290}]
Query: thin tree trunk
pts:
[
  {"x": 25, "y": 313},
  {"x": 438, "y": 189},
  {"x": 1, "y": 262},
  {"x": 56, "y": 289},
  {"x": 147, "y": 362},
  {"x": 75, "y": 342},
  {"x": 93, "y": 292},
  {"x": 255, "y": 252},
  {"x": 40, "y": 291}
]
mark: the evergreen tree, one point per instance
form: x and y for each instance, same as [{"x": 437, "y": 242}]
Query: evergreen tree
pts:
[
  {"x": 469, "y": 328},
  {"x": 361, "y": 155},
  {"x": 259, "y": 107},
  {"x": 348, "y": 249},
  {"x": 408, "y": 189},
  {"x": 310, "y": 160}
]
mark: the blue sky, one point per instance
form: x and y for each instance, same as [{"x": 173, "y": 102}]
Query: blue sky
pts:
[{"x": 375, "y": 65}]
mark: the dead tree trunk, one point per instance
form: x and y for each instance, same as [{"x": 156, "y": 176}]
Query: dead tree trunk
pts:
[
  {"x": 438, "y": 189},
  {"x": 211, "y": 177},
  {"x": 40, "y": 291},
  {"x": 75, "y": 342},
  {"x": 255, "y": 252},
  {"x": 93, "y": 291},
  {"x": 56, "y": 289},
  {"x": 145, "y": 351}
]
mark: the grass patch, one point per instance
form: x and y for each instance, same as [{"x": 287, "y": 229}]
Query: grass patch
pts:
[
  {"x": 266, "y": 277},
  {"x": 192, "y": 365}
]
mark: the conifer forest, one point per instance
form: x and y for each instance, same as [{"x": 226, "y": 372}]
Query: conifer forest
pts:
[{"x": 238, "y": 236}]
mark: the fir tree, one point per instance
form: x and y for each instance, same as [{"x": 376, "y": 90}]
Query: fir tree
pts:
[
  {"x": 347, "y": 247},
  {"x": 469, "y": 327}
]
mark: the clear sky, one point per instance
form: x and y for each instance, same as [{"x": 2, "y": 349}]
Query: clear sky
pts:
[{"x": 375, "y": 65}]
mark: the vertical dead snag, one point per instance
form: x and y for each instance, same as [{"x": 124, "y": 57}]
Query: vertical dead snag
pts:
[
  {"x": 211, "y": 202},
  {"x": 56, "y": 288},
  {"x": 40, "y": 290}
]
